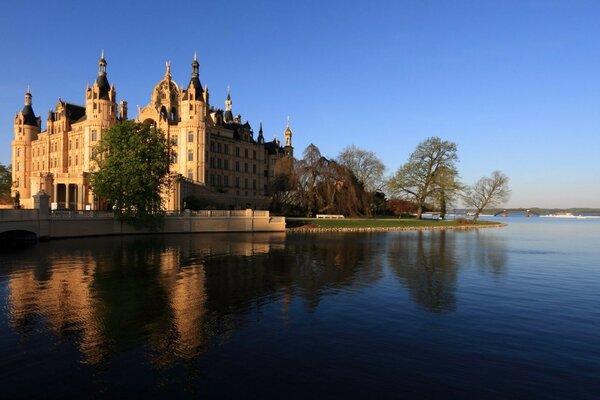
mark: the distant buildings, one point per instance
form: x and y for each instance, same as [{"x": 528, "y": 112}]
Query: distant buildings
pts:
[{"x": 215, "y": 155}]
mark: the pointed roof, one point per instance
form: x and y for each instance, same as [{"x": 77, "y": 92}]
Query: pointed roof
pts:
[
  {"x": 29, "y": 117},
  {"x": 195, "y": 80},
  {"x": 102, "y": 81}
]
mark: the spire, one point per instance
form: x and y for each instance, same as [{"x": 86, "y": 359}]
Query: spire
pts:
[
  {"x": 102, "y": 81},
  {"x": 228, "y": 101},
  {"x": 29, "y": 117},
  {"x": 195, "y": 81},
  {"x": 102, "y": 65},
  {"x": 288, "y": 134},
  {"x": 261, "y": 138},
  {"x": 28, "y": 97}
]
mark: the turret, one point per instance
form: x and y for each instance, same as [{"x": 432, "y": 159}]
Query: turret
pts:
[
  {"x": 228, "y": 115},
  {"x": 100, "y": 99},
  {"x": 26, "y": 129},
  {"x": 288, "y": 149},
  {"x": 123, "y": 110},
  {"x": 261, "y": 138}
]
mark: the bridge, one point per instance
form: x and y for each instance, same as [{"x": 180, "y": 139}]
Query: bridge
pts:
[
  {"x": 507, "y": 212},
  {"x": 41, "y": 223}
]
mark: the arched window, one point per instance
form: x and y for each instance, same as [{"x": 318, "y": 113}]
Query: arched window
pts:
[{"x": 173, "y": 115}]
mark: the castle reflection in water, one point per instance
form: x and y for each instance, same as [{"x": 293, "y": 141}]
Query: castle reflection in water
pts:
[{"x": 179, "y": 295}]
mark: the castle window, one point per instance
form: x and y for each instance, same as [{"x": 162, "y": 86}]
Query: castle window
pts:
[
  {"x": 253, "y": 168},
  {"x": 76, "y": 160},
  {"x": 246, "y": 184},
  {"x": 212, "y": 162},
  {"x": 218, "y": 147},
  {"x": 69, "y": 161},
  {"x": 190, "y": 174},
  {"x": 219, "y": 180},
  {"x": 70, "y": 142},
  {"x": 190, "y": 155},
  {"x": 225, "y": 164},
  {"x": 237, "y": 182},
  {"x": 226, "y": 181},
  {"x": 212, "y": 180},
  {"x": 237, "y": 151},
  {"x": 191, "y": 137},
  {"x": 18, "y": 166},
  {"x": 212, "y": 146},
  {"x": 76, "y": 143},
  {"x": 245, "y": 167},
  {"x": 219, "y": 163},
  {"x": 246, "y": 153},
  {"x": 94, "y": 135},
  {"x": 254, "y": 154},
  {"x": 226, "y": 148},
  {"x": 254, "y": 184},
  {"x": 18, "y": 152},
  {"x": 237, "y": 166}
]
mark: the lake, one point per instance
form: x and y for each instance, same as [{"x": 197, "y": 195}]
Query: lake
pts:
[{"x": 495, "y": 313}]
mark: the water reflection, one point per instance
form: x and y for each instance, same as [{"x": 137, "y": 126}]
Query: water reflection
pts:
[
  {"x": 176, "y": 296},
  {"x": 426, "y": 263}
]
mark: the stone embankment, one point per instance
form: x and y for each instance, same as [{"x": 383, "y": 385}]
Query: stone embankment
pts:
[{"x": 318, "y": 229}]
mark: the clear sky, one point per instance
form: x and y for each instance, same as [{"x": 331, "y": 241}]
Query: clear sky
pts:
[{"x": 516, "y": 84}]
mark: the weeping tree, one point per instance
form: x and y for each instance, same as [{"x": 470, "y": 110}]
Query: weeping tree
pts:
[
  {"x": 132, "y": 172},
  {"x": 428, "y": 172},
  {"x": 325, "y": 186},
  {"x": 487, "y": 192}
]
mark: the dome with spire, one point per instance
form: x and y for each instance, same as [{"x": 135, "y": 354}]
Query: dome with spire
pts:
[
  {"x": 102, "y": 81},
  {"x": 29, "y": 117},
  {"x": 195, "y": 80}
]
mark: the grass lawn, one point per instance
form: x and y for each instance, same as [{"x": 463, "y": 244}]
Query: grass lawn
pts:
[{"x": 375, "y": 223}]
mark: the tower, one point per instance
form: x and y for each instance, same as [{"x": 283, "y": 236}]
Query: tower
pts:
[
  {"x": 101, "y": 99},
  {"x": 228, "y": 115},
  {"x": 288, "y": 149},
  {"x": 26, "y": 129}
]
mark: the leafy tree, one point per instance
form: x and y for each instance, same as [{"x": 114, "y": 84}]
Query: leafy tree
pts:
[
  {"x": 487, "y": 192},
  {"x": 365, "y": 165},
  {"x": 133, "y": 165},
  {"x": 426, "y": 172},
  {"x": 5, "y": 183}
]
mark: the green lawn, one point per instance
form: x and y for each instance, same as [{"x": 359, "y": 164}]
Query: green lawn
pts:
[{"x": 375, "y": 223}]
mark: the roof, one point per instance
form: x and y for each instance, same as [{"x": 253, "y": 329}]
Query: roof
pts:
[
  {"x": 104, "y": 86},
  {"x": 29, "y": 117},
  {"x": 74, "y": 112}
]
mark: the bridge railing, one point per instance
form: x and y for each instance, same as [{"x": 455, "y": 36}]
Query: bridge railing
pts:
[{"x": 18, "y": 215}]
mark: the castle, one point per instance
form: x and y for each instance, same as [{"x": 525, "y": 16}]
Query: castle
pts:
[{"x": 215, "y": 155}]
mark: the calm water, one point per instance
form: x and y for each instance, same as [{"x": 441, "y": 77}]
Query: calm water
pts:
[{"x": 511, "y": 313}]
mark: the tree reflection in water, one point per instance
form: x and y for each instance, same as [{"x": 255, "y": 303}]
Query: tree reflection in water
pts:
[{"x": 426, "y": 263}]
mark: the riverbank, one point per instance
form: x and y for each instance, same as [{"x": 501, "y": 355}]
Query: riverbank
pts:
[{"x": 313, "y": 225}]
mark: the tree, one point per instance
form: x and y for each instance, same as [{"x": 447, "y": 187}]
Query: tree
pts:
[
  {"x": 487, "y": 192},
  {"x": 324, "y": 186},
  {"x": 365, "y": 165},
  {"x": 427, "y": 170},
  {"x": 5, "y": 183},
  {"x": 133, "y": 162},
  {"x": 283, "y": 187}
]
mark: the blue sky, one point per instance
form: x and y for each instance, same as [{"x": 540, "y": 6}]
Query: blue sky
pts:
[{"x": 516, "y": 84}]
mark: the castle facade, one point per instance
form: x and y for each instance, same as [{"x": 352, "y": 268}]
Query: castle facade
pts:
[{"x": 215, "y": 154}]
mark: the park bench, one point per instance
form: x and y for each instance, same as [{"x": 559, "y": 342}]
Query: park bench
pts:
[{"x": 330, "y": 216}]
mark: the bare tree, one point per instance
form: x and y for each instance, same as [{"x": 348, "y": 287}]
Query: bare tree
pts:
[
  {"x": 365, "y": 165},
  {"x": 420, "y": 178},
  {"x": 487, "y": 192}
]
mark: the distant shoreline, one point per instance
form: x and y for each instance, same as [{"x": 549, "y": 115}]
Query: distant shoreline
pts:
[{"x": 313, "y": 229}]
